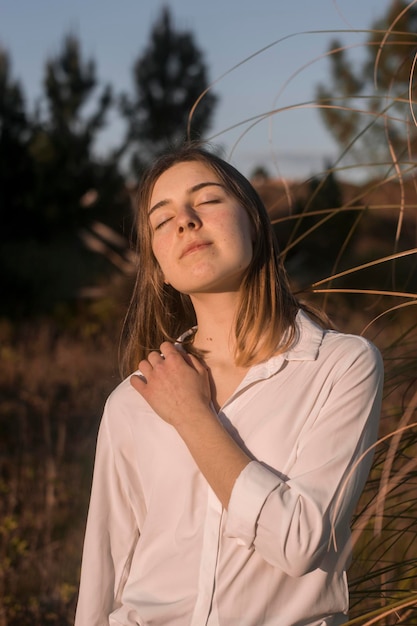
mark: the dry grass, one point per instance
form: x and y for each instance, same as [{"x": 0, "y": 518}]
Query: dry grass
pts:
[{"x": 53, "y": 385}]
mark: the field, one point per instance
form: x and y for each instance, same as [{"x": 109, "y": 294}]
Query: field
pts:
[{"x": 57, "y": 371}]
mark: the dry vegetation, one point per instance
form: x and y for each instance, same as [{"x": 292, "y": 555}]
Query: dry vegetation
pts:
[
  {"x": 56, "y": 374},
  {"x": 53, "y": 383}
]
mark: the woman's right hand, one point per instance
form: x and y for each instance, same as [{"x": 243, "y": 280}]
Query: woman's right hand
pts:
[{"x": 175, "y": 384}]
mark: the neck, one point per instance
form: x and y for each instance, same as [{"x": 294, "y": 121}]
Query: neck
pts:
[{"x": 215, "y": 319}]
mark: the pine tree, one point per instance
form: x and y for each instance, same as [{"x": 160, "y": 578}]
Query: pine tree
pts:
[
  {"x": 54, "y": 187},
  {"x": 16, "y": 172},
  {"x": 376, "y": 92},
  {"x": 168, "y": 78},
  {"x": 63, "y": 146}
]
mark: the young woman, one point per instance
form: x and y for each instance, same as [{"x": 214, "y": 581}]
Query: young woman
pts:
[{"x": 228, "y": 466}]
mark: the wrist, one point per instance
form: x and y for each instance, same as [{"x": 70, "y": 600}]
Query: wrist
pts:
[{"x": 197, "y": 422}]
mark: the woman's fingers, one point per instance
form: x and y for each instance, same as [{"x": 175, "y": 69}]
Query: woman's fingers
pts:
[
  {"x": 155, "y": 357},
  {"x": 169, "y": 363}
]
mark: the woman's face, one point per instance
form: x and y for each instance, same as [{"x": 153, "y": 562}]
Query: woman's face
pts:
[{"x": 202, "y": 236}]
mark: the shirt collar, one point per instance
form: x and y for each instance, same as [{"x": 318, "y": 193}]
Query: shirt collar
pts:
[
  {"x": 305, "y": 347},
  {"x": 308, "y": 340}
]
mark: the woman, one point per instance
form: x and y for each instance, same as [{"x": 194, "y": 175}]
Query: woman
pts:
[{"x": 228, "y": 466}]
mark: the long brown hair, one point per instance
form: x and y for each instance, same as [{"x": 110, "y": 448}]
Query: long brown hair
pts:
[{"x": 265, "y": 320}]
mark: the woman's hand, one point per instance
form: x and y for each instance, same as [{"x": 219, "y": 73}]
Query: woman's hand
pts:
[
  {"x": 175, "y": 384},
  {"x": 177, "y": 387}
]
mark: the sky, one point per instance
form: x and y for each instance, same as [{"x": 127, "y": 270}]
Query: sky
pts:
[{"x": 278, "y": 47}]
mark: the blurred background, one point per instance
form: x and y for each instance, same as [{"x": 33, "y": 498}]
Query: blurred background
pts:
[{"x": 315, "y": 103}]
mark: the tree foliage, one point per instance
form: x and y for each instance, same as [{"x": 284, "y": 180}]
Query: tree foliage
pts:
[
  {"x": 369, "y": 103},
  {"x": 168, "y": 78},
  {"x": 58, "y": 196},
  {"x": 52, "y": 183},
  {"x": 63, "y": 146},
  {"x": 314, "y": 241},
  {"x": 15, "y": 162}
]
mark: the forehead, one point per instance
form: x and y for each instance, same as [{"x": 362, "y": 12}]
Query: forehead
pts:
[{"x": 182, "y": 177}]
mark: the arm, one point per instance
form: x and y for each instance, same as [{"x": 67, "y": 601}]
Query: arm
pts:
[
  {"x": 288, "y": 522},
  {"x": 294, "y": 521},
  {"x": 177, "y": 388},
  {"x": 110, "y": 537}
]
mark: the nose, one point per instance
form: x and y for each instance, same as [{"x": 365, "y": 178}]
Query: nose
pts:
[{"x": 188, "y": 219}]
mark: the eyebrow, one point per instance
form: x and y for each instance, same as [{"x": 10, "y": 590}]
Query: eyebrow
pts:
[{"x": 191, "y": 190}]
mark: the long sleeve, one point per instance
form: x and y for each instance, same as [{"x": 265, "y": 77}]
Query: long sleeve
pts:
[
  {"x": 289, "y": 520},
  {"x": 110, "y": 538}
]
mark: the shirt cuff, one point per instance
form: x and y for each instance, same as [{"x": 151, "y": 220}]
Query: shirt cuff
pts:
[{"x": 251, "y": 489}]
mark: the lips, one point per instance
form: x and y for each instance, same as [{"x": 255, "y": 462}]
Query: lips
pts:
[{"x": 194, "y": 246}]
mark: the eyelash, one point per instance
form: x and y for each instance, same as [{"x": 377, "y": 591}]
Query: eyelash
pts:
[
  {"x": 162, "y": 223},
  {"x": 213, "y": 201}
]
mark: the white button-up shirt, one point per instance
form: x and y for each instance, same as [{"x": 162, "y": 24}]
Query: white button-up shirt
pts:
[{"x": 160, "y": 550}]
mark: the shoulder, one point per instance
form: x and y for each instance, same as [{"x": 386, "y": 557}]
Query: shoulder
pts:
[
  {"x": 352, "y": 359},
  {"x": 350, "y": 346},
  {"x": 339, "y": 349},
  {"x": 124, "y": 404}
]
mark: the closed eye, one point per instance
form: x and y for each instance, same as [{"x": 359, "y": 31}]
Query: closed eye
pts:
[
  {"x": 211, "y": 201},
  {"x": 158, "y": 226}
]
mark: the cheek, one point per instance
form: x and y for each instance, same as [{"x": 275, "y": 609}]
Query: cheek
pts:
[{"x": 244, "y": 232}]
